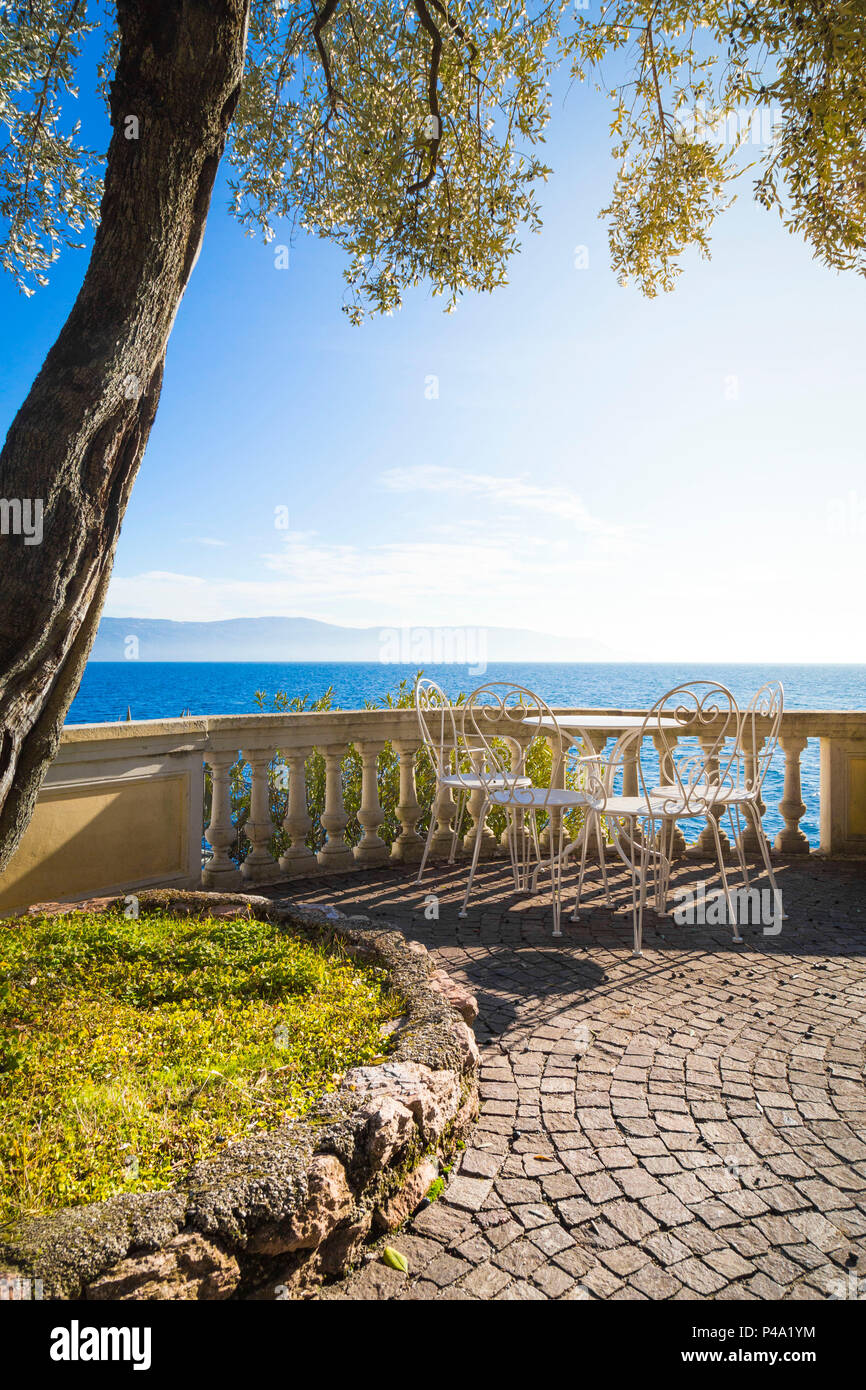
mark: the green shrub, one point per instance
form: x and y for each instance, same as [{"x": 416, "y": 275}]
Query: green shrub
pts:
[{"x": 129, "y": 1048}]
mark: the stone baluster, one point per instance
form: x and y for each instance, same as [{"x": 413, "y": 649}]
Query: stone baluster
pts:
[
  {"x": 259, "y": 863},
  {"x": 705, "y": 845},
  {"x": 557, "y": 779},
  {"x": 792, "y": 840},
  {"x": 371, "y": 849},
  {"x": 298, "y": 860},
  {"x": 335, "y": 854},
  {"x": 444, "y": 811},
  {"x": 221, "y": 872},
  {"x": 408, "y": 846},
  {"x": 630, "y": 779},
  {"x": 476, "y": 807},
  {"x": 594, "y": 743},
  {"x": 751, "y": 748},
  {"x": 665, "y": 745},
  {"x": 518, "y": 763}
]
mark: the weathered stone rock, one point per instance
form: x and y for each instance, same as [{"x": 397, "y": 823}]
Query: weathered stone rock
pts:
[
  {"x": 341, "y": 1248},
  {"x": 189, "y": 1267},
  {"x": 394, "y": 1212},
  {"x": 457, "y": 995},
  {"x": 433, "y": 1097},
  {"x": 61, "y": 909},
  {"x": 329, "y": 1201},
  {"x": 468, "y": 1046},
  {"x": 390, "y": 1127}
]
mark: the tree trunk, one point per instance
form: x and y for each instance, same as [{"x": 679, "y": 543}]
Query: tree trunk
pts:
[{"x": 77, "y": 442}]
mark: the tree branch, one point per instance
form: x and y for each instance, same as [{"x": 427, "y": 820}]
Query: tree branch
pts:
[
  {"x": 652, "y": 62},
  {"x": 323, "y": 19},
  {"x": 37, "y": 116},
  {"x": 429, "y": 24}
]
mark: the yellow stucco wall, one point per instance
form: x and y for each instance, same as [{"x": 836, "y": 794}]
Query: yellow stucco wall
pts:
[
  {"x": 857, "y": 796},
  {"x": 88, "y": 839}
]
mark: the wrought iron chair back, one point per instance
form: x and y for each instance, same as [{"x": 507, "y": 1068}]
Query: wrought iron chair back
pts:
[
  {"x": 766, "y": 704},
  {"x": 689, "y": 781},
  {"x": 503, "y": 712}
]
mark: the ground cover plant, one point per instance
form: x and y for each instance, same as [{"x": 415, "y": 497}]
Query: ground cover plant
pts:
[{"x": 132, "y": 1047}]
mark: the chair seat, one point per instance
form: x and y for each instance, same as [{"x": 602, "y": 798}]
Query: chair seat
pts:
[
  {"x": 525, "y": 794},
  {"x": 473, "y": 781},
  {"x": 630, "y": 806},
  {"x": 702, "y": 792}
]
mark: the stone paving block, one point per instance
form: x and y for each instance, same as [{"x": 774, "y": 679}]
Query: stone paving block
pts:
[
  {"x": 699, "y": 1276},
  {"x": 480, "y": 1163},
  {"x": 519, "y": 1258},
  {"x": 469, "y": 1193},
  {"x": 552, "y": 1280},
  {"x": 655, "y": 1283},
  {"x": 667, "y": 1210},
  {"x": 520, "y": 1291},
  {"x": 446, "y": 1269},
  {"x": 552, "y": 1240},
  {"x": 629, "y": 1218},
  {"x": 486, "y": 1281}
]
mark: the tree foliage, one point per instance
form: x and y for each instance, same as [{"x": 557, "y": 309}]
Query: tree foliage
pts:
[
  {"x": 409, "y": 131},
  {"x": 49, "y": 178},
  {"x": 716, "y": 90}
]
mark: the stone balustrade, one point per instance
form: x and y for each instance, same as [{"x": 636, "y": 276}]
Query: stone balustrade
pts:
[{"x": 121, "y": 807}]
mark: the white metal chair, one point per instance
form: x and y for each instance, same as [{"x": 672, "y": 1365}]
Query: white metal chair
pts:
[
  {"x": 755, "y": 753},
  {"x": 690, "y": 786},
  {"x": 458, "y": 765},
  {"x": 501, "y": 713}
]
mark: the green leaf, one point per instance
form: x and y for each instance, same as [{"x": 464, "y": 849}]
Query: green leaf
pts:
[{"x": 393, "y": 1258}]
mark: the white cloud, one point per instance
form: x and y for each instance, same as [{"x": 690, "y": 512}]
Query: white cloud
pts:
[{"x": 499, "y": 491}]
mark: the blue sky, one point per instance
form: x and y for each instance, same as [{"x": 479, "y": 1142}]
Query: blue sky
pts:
[{"x": 676, "y": 479}]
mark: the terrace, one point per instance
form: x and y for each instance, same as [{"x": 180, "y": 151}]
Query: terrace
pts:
[{"x": 686, "y": 1125}]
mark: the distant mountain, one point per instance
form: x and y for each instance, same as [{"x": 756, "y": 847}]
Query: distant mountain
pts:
[{"x": 304, "y": 639}]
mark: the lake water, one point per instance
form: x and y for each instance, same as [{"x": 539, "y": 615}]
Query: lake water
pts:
[{"x": 154, "y": 690}]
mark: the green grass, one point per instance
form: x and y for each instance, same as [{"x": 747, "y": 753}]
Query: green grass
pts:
[{"x": 131, "y": 1048}]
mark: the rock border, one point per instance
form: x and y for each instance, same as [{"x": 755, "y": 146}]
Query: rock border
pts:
[{"x": 274, "y": 1215}]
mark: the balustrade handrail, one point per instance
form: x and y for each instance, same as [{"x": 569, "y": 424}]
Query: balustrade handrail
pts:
[{"x": 219, "y": 730}]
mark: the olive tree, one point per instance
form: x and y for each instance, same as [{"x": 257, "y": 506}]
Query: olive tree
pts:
[{"x": 406, "y": 131}]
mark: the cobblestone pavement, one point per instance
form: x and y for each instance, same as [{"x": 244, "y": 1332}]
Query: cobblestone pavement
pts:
[{"x": 690, "y": 1125}]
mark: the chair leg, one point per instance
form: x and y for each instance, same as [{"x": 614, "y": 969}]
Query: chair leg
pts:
[
  {"x": 601, "y": 855},
  {"x": 735, "y": 833},
  {"x": 583, "y": 843},
  {"x": 636, "y": 905},
  {"x": 455, "y": 834},
  {"x": 513, "y": 828},
  {"x": 475, "y": 853},
  {"x": 532, "y": 888},
  {"x": 428, "y": 842},
  {"x": 667, "y": 861},
  {"x": 765, "y": 853},
  {"x": 556, "y": 878},
  {"x": 732, "y": 912}
]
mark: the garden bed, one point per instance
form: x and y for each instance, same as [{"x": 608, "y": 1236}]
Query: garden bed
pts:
[
  {"x": 131, "y": 1048},
  {"x": 228, "y": 1076}
]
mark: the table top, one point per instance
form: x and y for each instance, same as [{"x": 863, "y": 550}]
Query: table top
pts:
[{"x": 613, "y": 723}]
